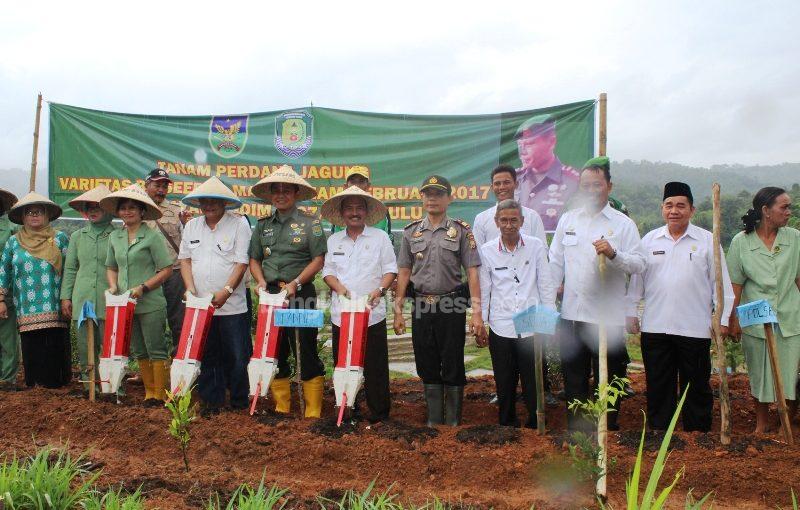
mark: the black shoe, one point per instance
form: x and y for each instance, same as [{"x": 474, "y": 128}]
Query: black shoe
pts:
[
  {"x": 152, "y": 402},
  {"x": 454, "y": 398},
  {"x": 434, "y": 398}
]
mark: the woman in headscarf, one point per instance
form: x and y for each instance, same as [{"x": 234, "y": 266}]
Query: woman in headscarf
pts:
[
  {"x": 138, "y": 261},
  {"x": 85, "y": 275},
  {"x": 30, "y": 271},
  {"x": 764, "y": 263}
]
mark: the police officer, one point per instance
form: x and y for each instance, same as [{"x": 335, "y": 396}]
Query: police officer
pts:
[
  {"x": 358, "y": 176},
  {"x": 432, "y": 253},
  {"x": 287, "y": 250},
  {"x": 544, "y": 183},
  {"x": 171, "y": 226}
]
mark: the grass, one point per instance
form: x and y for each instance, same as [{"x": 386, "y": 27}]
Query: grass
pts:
[
  {"x": 482, "y": 359},
  {"x": 634, "y": 348}
]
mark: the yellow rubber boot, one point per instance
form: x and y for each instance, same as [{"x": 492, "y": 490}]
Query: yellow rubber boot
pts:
[
  {"x": 146, "y": 369},
  {"x": 160, "y": 379},
  {"x": 282, "y": 393},
  {"x": 312, "y": 395}
]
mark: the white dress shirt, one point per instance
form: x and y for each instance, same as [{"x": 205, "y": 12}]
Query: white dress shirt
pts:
[
  {"x": 485, "y": 229},
  {"x": 359, "y": 265},
  {"x": 214, "y": 253},
  {"x": 512, "y": 281},
  {"x": 573, "y": 259},
  {"x": 678, "y": 284}
]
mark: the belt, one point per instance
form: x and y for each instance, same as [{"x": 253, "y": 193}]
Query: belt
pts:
[{"x": 434, "y": 298}]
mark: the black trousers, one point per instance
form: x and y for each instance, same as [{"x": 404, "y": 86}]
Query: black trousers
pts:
[
  {"x": 44, "y": 352},
  {"x": 671, "y": 363},
  {"x": 579, "y": 360},
  {"x": 228, "y": 348},
  {"x": 174, "y": 291},
  {"x": 310, "y": 364},
  {"x": 438, "y": 336},
  {"x": 376, "y": 369},
  {"x": 514, "y": 360}
]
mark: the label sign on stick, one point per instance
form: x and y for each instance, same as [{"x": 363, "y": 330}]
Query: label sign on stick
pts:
[
  {"x": 298, "y": 318},
  {"x": 757, "y": 312},
  {"x": 536, "y": 319}
]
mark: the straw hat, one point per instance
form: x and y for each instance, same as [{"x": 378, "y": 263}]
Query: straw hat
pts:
[
  {"x": 286, "y": 175},
  {"x": 33, "y": 198},
  {"x": 8, "y": 199},
  {"x": 94, "y": 195},
  {"x": 212, "y": 188},
  {"x": 133, "y": 192},
  {"x": 332, "y": 208}
]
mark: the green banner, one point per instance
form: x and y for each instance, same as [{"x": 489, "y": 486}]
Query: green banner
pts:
[{"x": 90, "y": 147}]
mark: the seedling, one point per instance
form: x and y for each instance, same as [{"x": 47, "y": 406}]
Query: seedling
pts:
[{"x": 182, "y": 415}]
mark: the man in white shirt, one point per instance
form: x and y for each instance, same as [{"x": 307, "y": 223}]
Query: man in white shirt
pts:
[
  {"x": 514, "y": 276},
  {"x": 361, "y": 262},
  {"x": 213, "y": 256},
  {"x": 582, "y": 235},
  {"x": 504, "y": 184},
  {"x": 679, "y": 291}
]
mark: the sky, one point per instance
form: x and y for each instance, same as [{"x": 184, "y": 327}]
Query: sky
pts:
[{"x": 697, "y": 83}]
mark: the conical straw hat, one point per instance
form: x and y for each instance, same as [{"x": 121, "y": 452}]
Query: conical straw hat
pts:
[
  {"x": 15, "y": 213},
  {"x": 133, "y": 192},
  {"x": 95, "y": 195},
  {"x": 212, "y": 188},
  {"x": 332, "y": 208},
  {"x": 284, "y": 174},
  {"x": 8, "y": 199}
]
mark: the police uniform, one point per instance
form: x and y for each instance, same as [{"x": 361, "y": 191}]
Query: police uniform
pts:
[
  {"x": 550, "y": 195},
  {"x": 435, "y": 256}
]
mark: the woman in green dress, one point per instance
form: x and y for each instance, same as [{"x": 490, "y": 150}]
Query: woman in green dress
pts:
[
  {"x": 85, "y": 275},
  {"x": 764, "y": 263},
  {"x": 30, "y": 271},
  {"x": 138, "y": 261}
]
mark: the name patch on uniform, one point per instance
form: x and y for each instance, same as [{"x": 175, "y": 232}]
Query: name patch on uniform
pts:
[
  {"x": 194, "y": 242},
  {"x": 659, "y": 252},
  {"x": 338, "y": 253},
  {"x": 500, "y": 268},
  {"x": 570, "y": 233}
]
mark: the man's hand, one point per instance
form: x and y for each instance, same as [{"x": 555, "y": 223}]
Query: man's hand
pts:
[
  {"x": 291, "y": 289},
  {"x": 113, "y": 290},
  {"x": 191, "y": 291},
  {"x": 343, "y": 291},
  {"x": 723, "y": 331},
  {"x": 261, "y": 285},
  {"x": 3, "y": 310},
  {"x": 185, "y": 215},
  {"x": 219, "y": 298},
  {"x": 374, "y": 298},
  {"x": 632, "y": 325},
  {"x": 477, "y": 328},
  {"x": 399, "y": 324},
  {"x": 66, "y": 308},
  {"x": 734, "y": 330},
  {"x": 604, "y": 247}
]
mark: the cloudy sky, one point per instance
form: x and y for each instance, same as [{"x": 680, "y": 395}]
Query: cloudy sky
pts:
[{"x": 693, "y": 82}]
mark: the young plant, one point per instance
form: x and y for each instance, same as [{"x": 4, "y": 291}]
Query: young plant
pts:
[
  {"x": 114, "y": 500},
  {"x": 182, "y": 415},
  {"x": 366, "y": 500},
  {"x": 245, "y": 498}
]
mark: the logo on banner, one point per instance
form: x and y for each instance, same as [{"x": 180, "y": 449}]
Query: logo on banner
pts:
[
  {"x": 227, "y": 135},
  {"x": 294, "y": 133}
]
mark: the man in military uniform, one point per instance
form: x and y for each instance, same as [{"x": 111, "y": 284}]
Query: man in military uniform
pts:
[
  {"x": 544, "y": 183},
  {"x": 9, "y": 335},
  {"x": 287, "y": 250},
  {"x": 171, "y": 225},
  {"x": 432, "y": 253},
  {"x": 359, "y": 176}
]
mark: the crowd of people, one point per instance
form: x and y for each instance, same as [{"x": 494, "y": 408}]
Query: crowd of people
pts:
[{"x": 662, "y": 286}]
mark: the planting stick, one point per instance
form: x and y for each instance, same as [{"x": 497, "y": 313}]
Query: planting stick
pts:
[
  {"x": 602, "y": 384},
  {"x": 783, "y": 413},
  {"x": 299, "y": 367},
  {"x": 341, "y": 410},
  {"x": 255, "y": 398},
  {"x": 716, "y": 326},
  {"x": 537, "y": 350},
  {"x": 91, "y": 361}
]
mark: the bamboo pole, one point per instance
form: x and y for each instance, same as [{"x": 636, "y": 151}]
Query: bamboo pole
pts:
[
  {"x": 602, "y": 124},
  {"x": 299, "y": 373},
  {"x": 716, "y": 323},
  {"x": 780, "y": 397},
  {"x": 34, "y": 157},
  {"x": 539, "y": 362},
  {"x": 602, "y": 384},
  {"x": 91, "y": 360}
]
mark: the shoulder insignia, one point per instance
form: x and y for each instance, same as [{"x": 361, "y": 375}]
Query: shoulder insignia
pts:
[
  {"x": 416, "y": 222},
  {"x": 462, "y": 223}
]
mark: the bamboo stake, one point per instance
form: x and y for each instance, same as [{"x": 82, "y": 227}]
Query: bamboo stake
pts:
[
  {"x": 602, "y": 123},
  {"x": 780, "y": 397},
  {"x": 90, "y": 341},
  {"x": 602, "y": 384},
  {"x": 299, "y": 373},
  {"x": 716, "y": 323},
  {"x": 539, "y": 362},
  {"x": 34, "y": 157}
]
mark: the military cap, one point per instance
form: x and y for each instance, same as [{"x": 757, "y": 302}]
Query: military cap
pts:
[
  {"x": 535, "y": 126},
  {"x": 158, "y": 174},
  {"x": 598, "y": 162},
  {"x": 436, "y": 182},
  {"x": 357, "y": 170}
]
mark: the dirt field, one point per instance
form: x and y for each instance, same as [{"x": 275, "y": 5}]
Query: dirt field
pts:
[{"x": 510, "y": 470}]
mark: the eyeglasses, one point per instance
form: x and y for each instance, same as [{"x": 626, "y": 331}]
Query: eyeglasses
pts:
[{"x": 34, "y": 212}]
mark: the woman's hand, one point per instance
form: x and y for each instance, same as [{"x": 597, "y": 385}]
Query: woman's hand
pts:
[
  {"x": 66, "y": 308},
  {"x": 137, "y": 292}
]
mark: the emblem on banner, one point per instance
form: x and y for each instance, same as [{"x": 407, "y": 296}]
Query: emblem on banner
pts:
[
  {"x": 227, "y": 135},
  {"x": 294, "y": 133}
]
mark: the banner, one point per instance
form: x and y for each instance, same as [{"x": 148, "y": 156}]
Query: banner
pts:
[{"x": 90, "y": 147}]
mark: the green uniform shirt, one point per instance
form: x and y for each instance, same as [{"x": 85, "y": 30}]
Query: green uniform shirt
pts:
[
  {"x": 285, "y": 244},
  {"x": 769, "y": 275},
  {"x": 139, "y": 261},
  {"x": 7, "y": 229},
  {"x": 85, "y": 268}
]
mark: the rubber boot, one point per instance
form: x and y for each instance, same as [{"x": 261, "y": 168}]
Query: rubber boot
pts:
[
  {"x": 454, "y": 397},
  {"x": 312, "y": 396},
  {"x": 160, "y": 379},
  {"x": 282, "y": 393},
  {"x": 434, "y": 398},
  {"x": 146, "y": 369}
]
